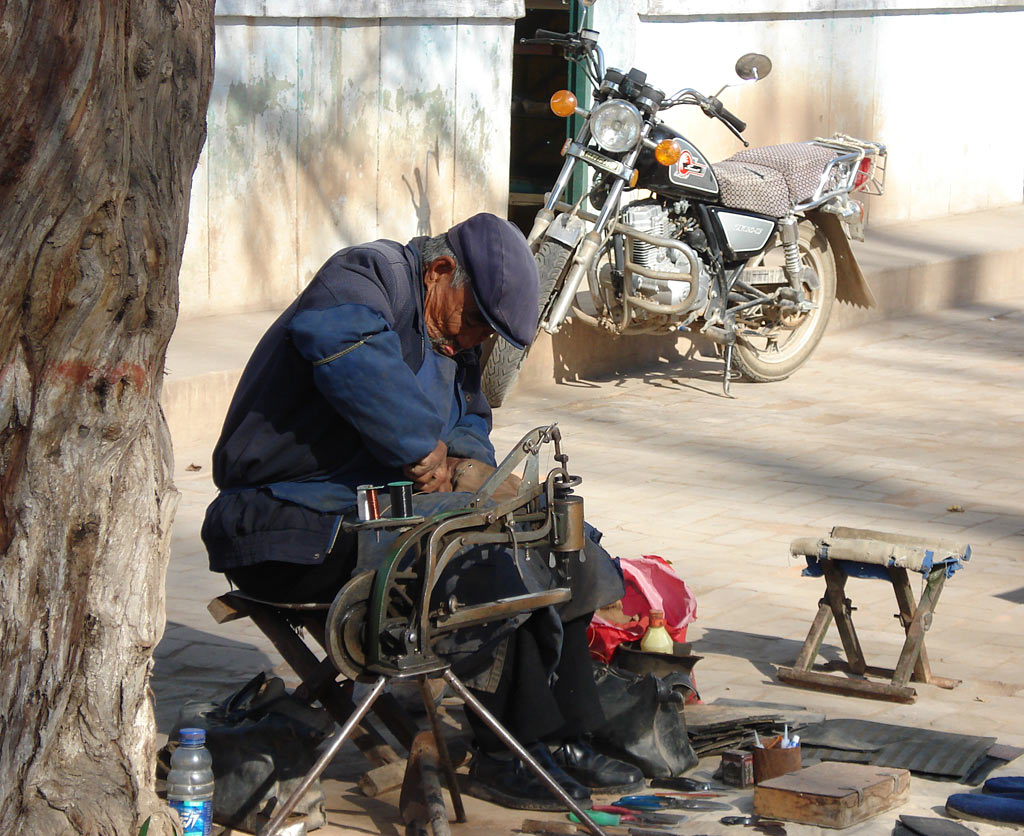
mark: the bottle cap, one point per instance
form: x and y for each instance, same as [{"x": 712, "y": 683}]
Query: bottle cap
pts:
[
  {"x": 657, "y": 617},
  {"x": 193, "y": 737}
]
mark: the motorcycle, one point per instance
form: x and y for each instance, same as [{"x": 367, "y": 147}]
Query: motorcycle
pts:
[{"x": 750, "y": 252}]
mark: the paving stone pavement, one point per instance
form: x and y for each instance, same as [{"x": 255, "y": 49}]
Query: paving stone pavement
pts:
[{"x": 912, "y": 425}]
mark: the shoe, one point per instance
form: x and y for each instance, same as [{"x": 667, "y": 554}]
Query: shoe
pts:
[
  {"x": 511, "y": 783},
  {"x": 995, "y": 809},
  {"x": 1007, "y": 784},
  {"x": 597, "y": 771}
]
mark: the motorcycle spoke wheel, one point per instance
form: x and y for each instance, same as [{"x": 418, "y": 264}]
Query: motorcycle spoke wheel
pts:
[{"x": 777, "y": 341}]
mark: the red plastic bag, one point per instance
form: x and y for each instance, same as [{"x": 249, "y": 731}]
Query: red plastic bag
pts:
[{"x": 651, "y": 584}]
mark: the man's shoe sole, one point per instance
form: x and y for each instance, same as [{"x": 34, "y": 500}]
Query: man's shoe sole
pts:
[
  {"x": 619, "y": 789},
  {"x": 470, "y": 786}
]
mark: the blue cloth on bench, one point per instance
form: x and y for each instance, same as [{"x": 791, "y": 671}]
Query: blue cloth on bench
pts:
[{"x": 853, "y": 569}]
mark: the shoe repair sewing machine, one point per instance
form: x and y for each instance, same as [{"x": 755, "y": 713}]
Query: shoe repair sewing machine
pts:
[{"x": 385, "y": 625}]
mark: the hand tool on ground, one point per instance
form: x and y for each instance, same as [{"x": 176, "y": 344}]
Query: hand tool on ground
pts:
[
  {"x": 771, "y": 827},
  {"x": 627, "y": 815},
  {"x": 565, "y": 828},
  {"x": 680, "y": 783},
  {"x": 669, "y": 794},
  {"x": 659, "y": 802}
]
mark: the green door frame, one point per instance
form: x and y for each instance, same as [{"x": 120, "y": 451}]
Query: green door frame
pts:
[{"x": 579, "y": 17}]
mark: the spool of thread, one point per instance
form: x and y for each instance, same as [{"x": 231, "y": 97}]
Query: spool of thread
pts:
[
  {"x": 363, "y": 502},
  {"x": 373, "y": 495},
  {"x": 367, "y": 503},
  {"x": 401, "y": 499}
]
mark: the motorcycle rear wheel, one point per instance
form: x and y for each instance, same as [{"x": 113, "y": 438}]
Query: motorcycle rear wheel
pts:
[
  {"x": 504, "y": 362},
  {"x": 781, "y": 344}
]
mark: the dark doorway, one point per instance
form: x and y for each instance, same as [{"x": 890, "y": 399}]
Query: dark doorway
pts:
[{"x": 536, "y": 135}]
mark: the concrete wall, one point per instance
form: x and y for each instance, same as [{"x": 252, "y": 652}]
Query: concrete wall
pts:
[
  {"x": 338, "y": 121},
  {"x": 328, "y": 131},
  {"x": 938, "y": 83}
]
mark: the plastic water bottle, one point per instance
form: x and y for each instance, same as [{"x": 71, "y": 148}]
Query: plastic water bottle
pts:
[{"x": 190, "y": 783}]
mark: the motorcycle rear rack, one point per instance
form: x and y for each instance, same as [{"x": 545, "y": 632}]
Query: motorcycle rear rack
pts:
[{"x": 851, "y": 152}]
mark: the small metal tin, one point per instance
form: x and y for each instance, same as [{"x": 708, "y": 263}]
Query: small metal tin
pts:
[{"x": 737, "y": 768}]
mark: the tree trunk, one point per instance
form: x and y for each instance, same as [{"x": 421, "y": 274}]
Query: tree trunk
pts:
[{"x": 102, "y": 117}]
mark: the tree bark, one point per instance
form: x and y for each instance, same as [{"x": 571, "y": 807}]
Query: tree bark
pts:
[{"x": 102, "y": 118}]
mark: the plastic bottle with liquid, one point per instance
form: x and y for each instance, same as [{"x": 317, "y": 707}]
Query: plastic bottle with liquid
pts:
[
  {"x": 656, "y": 639},
  {"x": 190, "y": 783}
]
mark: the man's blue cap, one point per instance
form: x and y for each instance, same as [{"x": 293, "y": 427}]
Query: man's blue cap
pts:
[{"x": 502, "y": 274}]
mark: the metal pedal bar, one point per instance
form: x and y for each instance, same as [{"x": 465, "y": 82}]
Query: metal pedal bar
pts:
[
  {"x": 328, "y": 755},
  {"x": 517, "y": 748}
]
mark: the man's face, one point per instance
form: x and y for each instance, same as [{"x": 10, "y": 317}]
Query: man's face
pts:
[{"x": 453, "y": 321}]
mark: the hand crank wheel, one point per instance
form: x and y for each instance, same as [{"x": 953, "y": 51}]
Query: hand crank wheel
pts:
[{"x": 346, "y": 628}]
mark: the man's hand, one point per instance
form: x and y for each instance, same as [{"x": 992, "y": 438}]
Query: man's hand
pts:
[{"x": 431, "y": 474}]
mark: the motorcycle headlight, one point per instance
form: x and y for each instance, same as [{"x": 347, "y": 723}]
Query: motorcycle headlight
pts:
[{"x": 615, "y": 125}]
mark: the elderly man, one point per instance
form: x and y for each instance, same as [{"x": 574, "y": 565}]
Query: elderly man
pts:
[{"x": 373, "y": 374}]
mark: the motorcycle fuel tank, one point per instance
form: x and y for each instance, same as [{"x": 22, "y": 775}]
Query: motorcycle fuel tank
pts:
[{"x": 691, "y": 176}]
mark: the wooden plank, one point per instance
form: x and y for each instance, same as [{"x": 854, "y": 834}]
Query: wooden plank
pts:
[
  {"x": 224, "y": 609},
  {"x": 842, "y": 685},
  {"x": 832, "y": 795},
  {"x": 914, "y": 646},
  {"x": 812, "y": 644},
  {"x": 905, "y": 601},
  {"x": 382, "y": 779},
  {"x": 835, "y": 583}
]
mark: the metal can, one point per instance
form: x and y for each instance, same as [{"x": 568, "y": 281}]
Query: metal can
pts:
[{"x": 737, "y": 768}]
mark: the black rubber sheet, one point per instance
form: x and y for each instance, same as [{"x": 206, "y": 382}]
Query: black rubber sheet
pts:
[{"x": 937, "y": 754}]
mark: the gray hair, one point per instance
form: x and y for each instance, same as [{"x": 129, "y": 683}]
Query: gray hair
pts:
[{"x": 437, "y": 247}]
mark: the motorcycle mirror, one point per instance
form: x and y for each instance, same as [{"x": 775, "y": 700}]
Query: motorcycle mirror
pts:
[{"x": 753, "y": 66}]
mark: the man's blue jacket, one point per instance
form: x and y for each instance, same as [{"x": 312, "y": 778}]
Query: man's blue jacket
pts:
[{"x": 341, "y": 391}]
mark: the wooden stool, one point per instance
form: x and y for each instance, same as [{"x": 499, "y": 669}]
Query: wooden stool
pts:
[{"x": 865, "y": 553}]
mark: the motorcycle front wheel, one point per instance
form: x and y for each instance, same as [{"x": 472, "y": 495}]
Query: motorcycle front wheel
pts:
[
  {"x": 777, "y": 342},
  {"x": 504, "y": 362}
]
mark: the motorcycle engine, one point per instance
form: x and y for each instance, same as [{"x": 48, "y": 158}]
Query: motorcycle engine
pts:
[{"x": 654, "y": 219}]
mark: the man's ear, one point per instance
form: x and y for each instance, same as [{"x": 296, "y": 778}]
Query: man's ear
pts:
[{"x": 439, "y": 268}]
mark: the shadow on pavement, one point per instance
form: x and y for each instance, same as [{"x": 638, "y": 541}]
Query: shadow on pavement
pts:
[
  {"x": 763, "y": 652},
  {"x": 1015, "y": 596},
  {"x": 192, "y": 664}
]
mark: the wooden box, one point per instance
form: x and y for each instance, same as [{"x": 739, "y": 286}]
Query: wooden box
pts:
[{"x": 832, "y": 794}]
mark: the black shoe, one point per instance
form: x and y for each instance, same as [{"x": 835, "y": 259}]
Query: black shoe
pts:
[
  {"x": 511, "y": 783},
  {"x": 597, "y": 771}
]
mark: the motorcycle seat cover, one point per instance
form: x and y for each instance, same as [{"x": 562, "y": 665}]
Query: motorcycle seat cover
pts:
[
  {"x": 756, "y": 188},
  {"x": 799, "y": 163}
]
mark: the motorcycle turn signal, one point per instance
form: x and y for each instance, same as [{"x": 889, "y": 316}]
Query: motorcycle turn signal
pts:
[
  {"x": 563, "y": 103},
  {"x": 668, "y": 152}
]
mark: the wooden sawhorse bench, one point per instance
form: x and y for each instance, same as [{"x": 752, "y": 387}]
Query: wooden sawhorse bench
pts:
[{"x": 876, "y": 554}]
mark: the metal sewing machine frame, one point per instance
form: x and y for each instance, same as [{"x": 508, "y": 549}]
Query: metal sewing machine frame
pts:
[{"x": 385, "y": 624}]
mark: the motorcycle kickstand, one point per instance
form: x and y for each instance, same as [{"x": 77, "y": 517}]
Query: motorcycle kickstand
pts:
[{"x": 727, "y": 373}]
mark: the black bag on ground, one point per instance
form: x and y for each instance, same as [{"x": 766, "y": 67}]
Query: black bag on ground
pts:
[
  {"x": 644, "y": 723},
  {"x": 263, "y": 741}
]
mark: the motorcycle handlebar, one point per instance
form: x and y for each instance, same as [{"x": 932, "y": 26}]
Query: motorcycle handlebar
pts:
[
  {"x": 547, "y": 34},
  {"x": 716, "y": 108}
]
